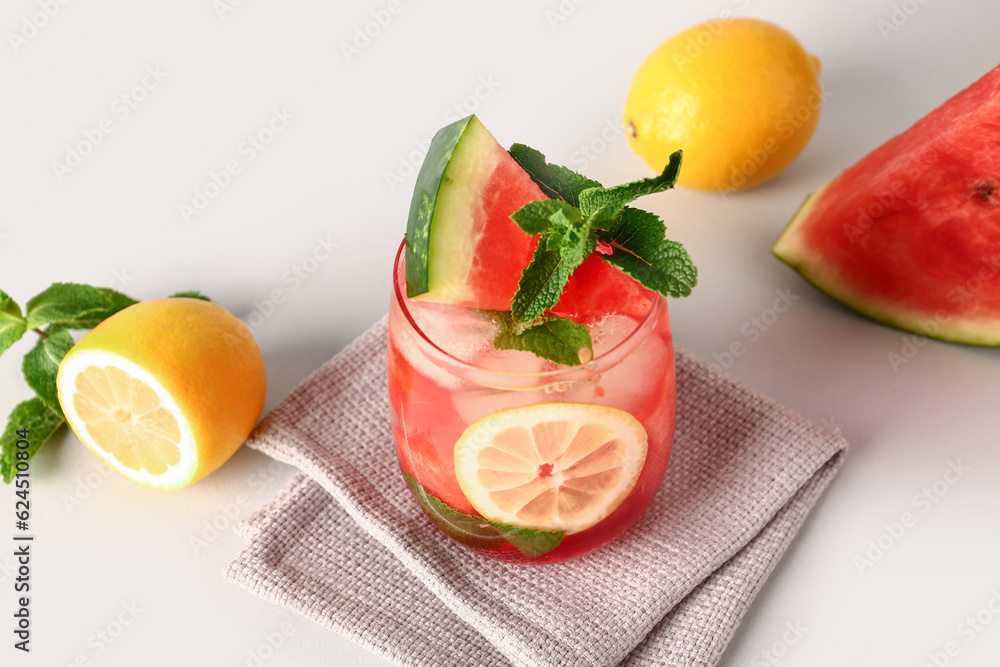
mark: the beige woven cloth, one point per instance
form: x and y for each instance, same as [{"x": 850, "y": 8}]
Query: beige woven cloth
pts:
[{"x": 346, "y": 545}]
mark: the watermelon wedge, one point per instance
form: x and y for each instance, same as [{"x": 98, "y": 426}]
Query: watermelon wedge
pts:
[
  {"x": 463, "y": 249},
  {"x": 910, "y": 235}
]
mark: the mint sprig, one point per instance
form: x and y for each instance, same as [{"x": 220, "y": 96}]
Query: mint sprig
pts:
[
  {"x": 536, "y": 217},
  {"x": 58, "y": 308},
  {"x": 562, "y": 247},
  {"x": 581, "y": 214},
  {"x": 607, "y": 203},
  {"x": 42, "y": 364},
  {"x": 477, "y": 532},
  {"x": 33, "y": 417}
]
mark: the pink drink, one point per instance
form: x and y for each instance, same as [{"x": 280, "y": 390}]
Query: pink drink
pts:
[{"x": 445, "y": 374}]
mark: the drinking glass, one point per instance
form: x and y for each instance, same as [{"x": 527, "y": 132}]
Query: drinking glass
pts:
[{"x": 446, "y": 380}]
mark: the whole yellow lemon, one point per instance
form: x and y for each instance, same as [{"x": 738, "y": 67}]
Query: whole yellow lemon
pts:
[{"x": 740, "y": 96}]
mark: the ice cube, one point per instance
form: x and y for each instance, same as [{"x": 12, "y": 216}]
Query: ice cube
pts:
[
  {"x": 475, "y": 403},
  {"x": 610, "y": 331},
  {"x": 637, "y": 383},
  {"x": 461, "y": 332},
  {"x": 631, "y": 383}
]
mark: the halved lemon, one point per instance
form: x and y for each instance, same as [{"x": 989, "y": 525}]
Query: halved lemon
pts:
[
  {"x": 551, "y": 466},
  {"x": 164, "y": 391}
]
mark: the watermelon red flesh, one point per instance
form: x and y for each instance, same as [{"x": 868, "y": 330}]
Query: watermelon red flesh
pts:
[
  {"x": 910, "y": 235},
  {"x": 597, "y": 288},
  {"x": 504, "y": 249}
]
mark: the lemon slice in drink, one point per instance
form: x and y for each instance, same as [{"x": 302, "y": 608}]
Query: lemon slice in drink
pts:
[
  {"x": 550, "y": 466},
  {"x": 164, "y": 391}
]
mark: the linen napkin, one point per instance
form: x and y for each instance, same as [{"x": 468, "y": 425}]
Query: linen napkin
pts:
[{"x": 346, "y": 545}]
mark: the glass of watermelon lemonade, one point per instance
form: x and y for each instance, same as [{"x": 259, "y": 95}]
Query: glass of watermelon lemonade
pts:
[{"x": 516, "y": 457}]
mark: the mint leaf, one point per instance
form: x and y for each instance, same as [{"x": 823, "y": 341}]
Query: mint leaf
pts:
[
  {"x": 609, "y": 202},
  {"x": 554, "y": 181},
  {"x": 40, "y": 422},
  {"x": 480, "y": 533},
  {"x": 12, "y": 323},
  {"x": 557, "y": 339},
  {"x": 541, "y": 284},
  {"x": 42, "y": 364},
  {"x": 570, "y": 232},
  {"x": 473, "y": 531},
  {"x": 192, "y": 294},
  {"x": 537, "y": 216},
  {"x": 641, "y": 251},
  {"x": 531, "y": 543},
  {"x": 555, "y": 259},
  {"x": 75, "y": 306}
]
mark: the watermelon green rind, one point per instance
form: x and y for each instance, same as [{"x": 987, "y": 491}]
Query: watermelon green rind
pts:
[
  {"x": 471, "y": 166},
  {"x": 425, "y": 194},
  {"x": 910, "y": 235}
]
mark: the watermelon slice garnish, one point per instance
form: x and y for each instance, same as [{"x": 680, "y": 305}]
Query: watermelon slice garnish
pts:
[{"x": 463, "y": 249}]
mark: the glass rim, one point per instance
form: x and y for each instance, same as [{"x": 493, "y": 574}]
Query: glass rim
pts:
[{"x": 607, "y": 359}]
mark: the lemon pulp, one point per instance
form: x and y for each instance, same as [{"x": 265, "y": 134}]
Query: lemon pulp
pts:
[{"x": 126, "y": 420}]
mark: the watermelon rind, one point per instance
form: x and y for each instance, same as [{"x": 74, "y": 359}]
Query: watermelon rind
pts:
[
  {"x": 422, "y": 206},
  {"x": 448, "y": 201}
]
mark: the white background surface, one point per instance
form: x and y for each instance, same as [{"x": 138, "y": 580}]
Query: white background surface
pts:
[{"x": 558, "y": 85}]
